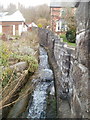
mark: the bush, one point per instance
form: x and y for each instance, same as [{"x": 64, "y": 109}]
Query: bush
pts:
[
  {"x": 7, "y": 74},
  {"x": 71, "y": 35},
  {"x": 31, "y": 60},
  {"x": 4, "y": 55},
  {"x": 42, "y": 22},
  {"x": 40, "y": 25}
]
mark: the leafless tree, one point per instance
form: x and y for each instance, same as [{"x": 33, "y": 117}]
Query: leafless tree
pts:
[{"x": 38, "y": 14}]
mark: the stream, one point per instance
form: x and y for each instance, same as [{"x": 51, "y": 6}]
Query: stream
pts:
[{"x": 38, "y": 106}]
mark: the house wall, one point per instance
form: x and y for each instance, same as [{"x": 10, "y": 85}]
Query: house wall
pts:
[
  {"x": 7, "y": 28},
  {"x": 0, "y": 27},
  {"x": 56, "y": 15}
]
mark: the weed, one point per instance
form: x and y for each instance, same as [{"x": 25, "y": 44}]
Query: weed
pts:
[{"x": 4, "y": 55}]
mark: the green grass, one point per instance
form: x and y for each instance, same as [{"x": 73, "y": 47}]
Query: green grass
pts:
[
  {"x": 65, "y": 40},
  {"x": 1, "y": 34}
]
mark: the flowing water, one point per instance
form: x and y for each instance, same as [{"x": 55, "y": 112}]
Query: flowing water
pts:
[{"x": 38, "y": 106}]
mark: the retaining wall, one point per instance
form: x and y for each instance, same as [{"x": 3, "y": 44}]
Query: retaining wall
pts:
[{"x": 71, "y": 67}]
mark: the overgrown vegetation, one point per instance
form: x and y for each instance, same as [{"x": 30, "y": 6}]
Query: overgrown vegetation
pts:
[
  {"x": 6, "y": 76},
  {"x": 71, "y": 34},
  {"x": 12, "y": 52},
  {"x": 69, "y": 17},
  {"x": 30, "y": 39},
  {"x": 31, "y": 60},
  {"x": 8, "y": 72},
  {"x": 4, "y": 55},
  {"x": 9, "y": 54}
]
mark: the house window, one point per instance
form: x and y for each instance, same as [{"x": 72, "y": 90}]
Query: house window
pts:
[
  {"x": 62, "y": 13},
  {"x": 61, "y": 25},
  {"x": 58, "y": 25}
]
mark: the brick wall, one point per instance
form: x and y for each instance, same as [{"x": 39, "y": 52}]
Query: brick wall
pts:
[
  {"x": 7, "y": 27},
  {"x": 55, "y": 15}
]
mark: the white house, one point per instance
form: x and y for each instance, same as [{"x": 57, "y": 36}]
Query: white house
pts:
[{"x": 12, "y": 24}]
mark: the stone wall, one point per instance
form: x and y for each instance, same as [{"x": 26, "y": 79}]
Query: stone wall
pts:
[
  {"x": 71, "y": 67},
  {"x": 80, "y": 72},
  {"x": 61, "y": 58}
]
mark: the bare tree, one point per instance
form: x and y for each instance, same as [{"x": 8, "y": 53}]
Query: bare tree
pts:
[
  {"x": 69, "y": 16},
  {"x": 38, "y": 14},
  {"x": 11, "y": 8},
  {"x": 1, "y": 8},
  {"x": 32, "y": 14}
]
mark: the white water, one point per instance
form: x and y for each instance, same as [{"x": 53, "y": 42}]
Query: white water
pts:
[{"x": 38, "y": 106}]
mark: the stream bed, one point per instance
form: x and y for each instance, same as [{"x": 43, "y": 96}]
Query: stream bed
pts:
[{"x": 38, "y": 107}]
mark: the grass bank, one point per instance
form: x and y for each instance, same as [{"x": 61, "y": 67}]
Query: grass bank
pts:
[{"x": 66, "y": 41}]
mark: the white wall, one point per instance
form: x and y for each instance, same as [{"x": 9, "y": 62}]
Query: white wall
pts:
[
  {"x": 20, "y": 29},
  {"x": 58, "y": 25},
  {"x": 13, "y": 29},
  {"x": 0, "y": 28},
  {"x": 60, "y": 22},
  {"x": 24, "y": 28}
]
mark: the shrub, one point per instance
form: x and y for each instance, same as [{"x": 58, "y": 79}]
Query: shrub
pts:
[
  {"x": 6, "y": 76},
  {"x": 30, "y": 39},
  {"x": 33, "y": 63},
  {"x": 4, "y": 55},
  {"x": 31, "y": 60},
  {"x": 42, "y": 22},
  {"x": 40, "y": 25},
  {"x": 71, "y": 35}
]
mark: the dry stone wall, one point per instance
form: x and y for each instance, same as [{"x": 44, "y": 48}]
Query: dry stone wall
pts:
[
  {"x": 81, "y": 67},
  {"x": 71, "y": 67}
]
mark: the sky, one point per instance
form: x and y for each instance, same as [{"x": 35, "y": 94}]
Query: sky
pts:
[{"x": 26, "y": 3}]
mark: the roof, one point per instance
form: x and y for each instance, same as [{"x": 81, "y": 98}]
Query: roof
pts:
[
  {"x": 3, "y": 14},
  {"x": 59, "y": 3},
  {"x": 32, "y": 25},
  {"x": 17, "y": 16}
]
